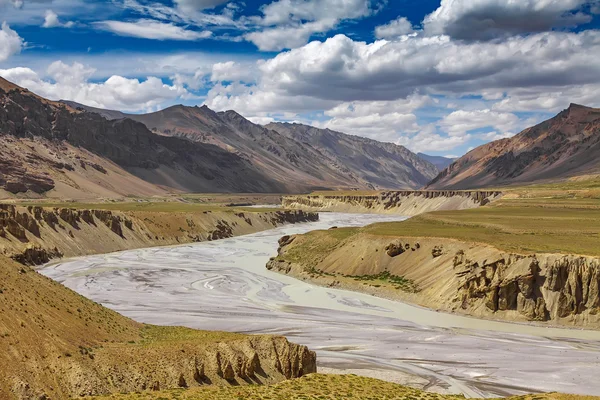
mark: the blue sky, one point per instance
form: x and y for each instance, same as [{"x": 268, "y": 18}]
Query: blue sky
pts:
[{"x": 436, "y": 76}]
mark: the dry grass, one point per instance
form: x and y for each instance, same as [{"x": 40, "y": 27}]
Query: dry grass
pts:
[{"x": 314, "y": 387}]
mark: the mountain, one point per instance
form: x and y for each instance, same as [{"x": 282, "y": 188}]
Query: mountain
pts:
[
  {"x": 54, "y": 150},
  {"x": 346, "y": 162},
  {"x": 565, "y": 146},
  {"x": 383, "y": 165},
  {"x": 440, "y": 162}
]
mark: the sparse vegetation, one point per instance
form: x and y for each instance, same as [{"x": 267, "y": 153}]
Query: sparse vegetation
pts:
[
  {"x": 400, "y": 282},
  {"x": 315, "y": 387}
]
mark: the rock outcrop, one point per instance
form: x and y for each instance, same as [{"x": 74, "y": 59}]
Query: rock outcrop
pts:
[
  {"x": 35, "y": 235},
  {"x": 454, "y": 276},
  {"x": 403, "y": 202}
]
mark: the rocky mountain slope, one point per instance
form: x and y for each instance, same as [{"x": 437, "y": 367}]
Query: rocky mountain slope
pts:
[
  {"x": 383, "y": 165},
  {"x": 565, "y": 146},
  {"x": 50, "y": 146},
  {"x": 313, "y": 160}
]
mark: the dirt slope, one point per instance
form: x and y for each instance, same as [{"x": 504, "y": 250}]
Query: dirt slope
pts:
[{"x": 565, "y": 146}]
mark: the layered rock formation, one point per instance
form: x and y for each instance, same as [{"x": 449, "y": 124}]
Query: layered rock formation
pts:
[
  {"x": 403, "y": 202},
  {"x": 469, "y": 278},
  {"x": 34, "y": 235},
  {"x": 567, "y": 145}
]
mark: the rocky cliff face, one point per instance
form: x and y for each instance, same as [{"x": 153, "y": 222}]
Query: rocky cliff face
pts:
[
  {"x": 565, "y": 146},
  {"x": 540, "y": 288},
  {"x": 403, "y": 202},
  {"x": 454, "y": 276},
  {"x": 35, "y": 235}
]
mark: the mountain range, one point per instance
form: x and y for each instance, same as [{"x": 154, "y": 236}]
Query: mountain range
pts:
[
  {"x": 562, "y": 147},
  {"x": 64, "y": 149}
]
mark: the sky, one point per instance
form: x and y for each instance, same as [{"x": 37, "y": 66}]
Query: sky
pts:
[{"x": 439, "y": 77}]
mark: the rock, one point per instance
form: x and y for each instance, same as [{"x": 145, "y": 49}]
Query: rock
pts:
[
  {"x": 437, "y": 251},
  {"x": 286, "y": 240},
  {"x": 507, "y": 295},
  {"x": 394, "y": 249}
]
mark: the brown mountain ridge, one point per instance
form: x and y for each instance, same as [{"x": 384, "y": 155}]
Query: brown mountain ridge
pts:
[
  {"x": 301, "y": 156},
  {"x": 562, "y": 147}
]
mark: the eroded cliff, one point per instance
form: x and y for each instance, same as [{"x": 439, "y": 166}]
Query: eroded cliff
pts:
[
  {"x": 34, "y": 235},
  {"x": 444, "y": 274},
  {"x": 404, "y": 202},
  {"x": 56, "y": 344}
]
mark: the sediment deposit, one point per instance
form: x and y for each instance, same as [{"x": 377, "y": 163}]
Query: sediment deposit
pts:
[{"x": 404, "y": 202}]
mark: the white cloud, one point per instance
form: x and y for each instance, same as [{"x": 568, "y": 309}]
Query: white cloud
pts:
[
  {"x": 288, "y": 37},
  {"x": 71, "y": 82},
  {"x": 51, "y": 21},
  {"x": 10, "y": 42},
  {"x": 346, "y": 70},
  {"x": 459, "y": 123},
  {"x": 232, "y": 71},
  {"x": 290, "y": 23},
  {"x": 548, "y": 99},
  {"x": 488, "y": 19},
  {"x": 152, "y": 29},
  {"x": 394, "y": 29},
  {"x": 428, "y": 140}
]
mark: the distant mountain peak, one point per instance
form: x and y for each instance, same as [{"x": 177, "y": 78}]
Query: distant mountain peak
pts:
[{"x": 564, "y": 146}]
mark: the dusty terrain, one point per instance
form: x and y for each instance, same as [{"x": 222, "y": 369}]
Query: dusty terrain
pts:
[
  {"x": 35, "y": 234},
  {"x": 56, "y": 344},
  {"x": 407, "y": 202},
  {"x": 322, "y": 387},
  {"x": 565, "y": 146},
  {"x": 524, "y": 257}
]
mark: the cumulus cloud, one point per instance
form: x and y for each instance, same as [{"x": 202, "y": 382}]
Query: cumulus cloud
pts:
[
  {"x": 394, "y": 29},
  {"x": 459, "y": 123},
  {"x": 346, "y": 70},
  {"x": 152, "y": 29},
  {"x": 290, "y": 23},
  {"x": 51, "y": 21},
  {"x": 71, "y": 82},
  {"x": 488, "y": 19},
  {"x": 232, "y": 71},
  {"x": 428, "y": 140},
  {"x": 10, "y": 42}
]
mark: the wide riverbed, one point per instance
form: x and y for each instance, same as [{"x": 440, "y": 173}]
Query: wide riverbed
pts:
[{"x": 224, "y": 285}]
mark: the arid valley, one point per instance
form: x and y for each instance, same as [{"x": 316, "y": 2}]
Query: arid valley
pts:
[{"x": 299, "y": 199}]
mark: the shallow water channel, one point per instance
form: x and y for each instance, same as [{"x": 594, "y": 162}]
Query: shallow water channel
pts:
[{"x": 224, "y": 285}]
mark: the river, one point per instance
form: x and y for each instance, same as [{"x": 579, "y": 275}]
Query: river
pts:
[{"x": 224, "y": 285}]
